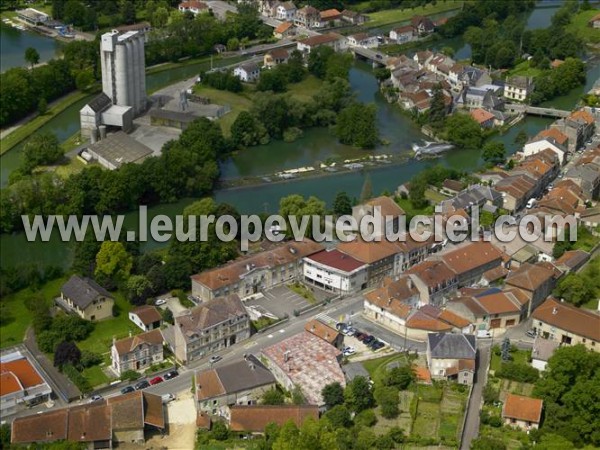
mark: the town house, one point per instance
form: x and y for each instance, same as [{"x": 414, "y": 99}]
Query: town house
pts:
[
  {"x": 137, "y": 353},
  {"x": 208, "y": 328},
  {"x": 452, "y": 357}
]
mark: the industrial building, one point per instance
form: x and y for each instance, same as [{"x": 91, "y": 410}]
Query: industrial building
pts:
[{"x": 123, "y": 84}]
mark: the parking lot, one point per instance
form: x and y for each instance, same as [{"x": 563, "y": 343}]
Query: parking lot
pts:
[{"x": 280, "y": 301}]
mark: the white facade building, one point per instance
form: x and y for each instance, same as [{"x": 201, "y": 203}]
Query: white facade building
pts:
[
  {"x": 536, "y": 146},
  {"x": 335, "y": 271},
  {"x": 248, "y": 72}
]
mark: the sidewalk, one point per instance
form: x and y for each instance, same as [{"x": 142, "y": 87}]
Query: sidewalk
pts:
[{"x": 62, "y": 386}]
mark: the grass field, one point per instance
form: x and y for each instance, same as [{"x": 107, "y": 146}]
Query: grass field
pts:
[
  {"x": 524, "y": 69},
  {"x": 579, "y": 26},
  {"x": 16, "y": 317},
  {"x": 410, "y": 210},
  {"x": 237, "y": 102},
  {"x": 119, "y": 327},
  {"x": 403, "y": 421},
  {"x": 306, "y": 89},
  {"x": 376, "y": 367},
  {"x": 520, "y": 356},
  {"x": 389, "y": 16},
  {"x": 439, "y": 413}
]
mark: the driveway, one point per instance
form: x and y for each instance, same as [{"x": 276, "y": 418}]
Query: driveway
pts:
[
  {"x": 174, "y": 305},
  {"x": 471, "y": 429},
  {"x": 280, "y": 301}
]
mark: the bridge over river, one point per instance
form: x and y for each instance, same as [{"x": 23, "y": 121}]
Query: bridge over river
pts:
[{"x": 536, "y": 111}]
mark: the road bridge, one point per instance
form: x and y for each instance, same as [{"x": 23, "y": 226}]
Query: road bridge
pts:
[{"x": 536, "y": 111}]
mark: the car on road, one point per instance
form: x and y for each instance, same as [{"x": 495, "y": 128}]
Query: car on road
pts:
[
  {"x": 340, "y": 326},
  {"x": 127, "y": 390},
  {"x": 166, "y": 398},
  {"x": 349, "y": 331},
  {"x": 95, "y": 398},
  {"x": 160, "y": 301},
  {"x": 349, "y": 351},
  {"x": 141, "y": 385},
  {"x": 156, "y": 380},
  {"x": 378, "y": 56},
  {"x": 530, "y": 333},
  {"x": 214, "y": 359},
  {"x": 171, "y": 374}
]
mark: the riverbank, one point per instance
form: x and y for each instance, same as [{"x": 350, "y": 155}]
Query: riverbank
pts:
[
  {"x": 30, "y": 124},
  {"x": 391, "y": 16}
]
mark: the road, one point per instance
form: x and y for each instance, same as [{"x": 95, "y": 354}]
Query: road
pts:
[{"x": 471, "y": 429}]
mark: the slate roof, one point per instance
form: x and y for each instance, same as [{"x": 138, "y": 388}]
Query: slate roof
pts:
[
  {"x": 451, "y": 346},
  {"x": 235, "y": 377},
  {"x": 83, "y": 291},
  {"x": 100, "y": 103},
  {"x": 208, "y": 314}
]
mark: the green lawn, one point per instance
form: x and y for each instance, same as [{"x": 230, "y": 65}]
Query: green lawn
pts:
[
  {"x": 95, "y": 376},
  {"x": 435, "y": 196},
  {"x": 377, "y": 366},
  {"x": 411, "y": 211},
  {"x": 389, "y": 16},
  {"x": 119, "y": 327},
  {"x": 520, "y": 356},
  {"x": 524, "y": 69},
  {"x": 586, "y": 241},
  {"x": 427, "y": 421},
  {"x": 579, "y": 26},
  {"x": 237, "y": 102},
  {"x": 306, "y": 89},
  {"x": 17, "y": 317}
]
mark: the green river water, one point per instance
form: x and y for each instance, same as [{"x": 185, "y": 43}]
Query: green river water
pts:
[{"x": 315, "y": 145}]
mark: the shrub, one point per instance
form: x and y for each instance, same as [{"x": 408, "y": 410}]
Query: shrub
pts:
[
  {"x": 77, "y": 378},
  {"x": 130, "y": 375},
  {"x": 518, "y": 372},
  {"x": 366, "y": 418}
]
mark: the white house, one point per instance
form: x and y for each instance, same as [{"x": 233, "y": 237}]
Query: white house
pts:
[
  {"x": 286, "y": 11},
  {"x": 335, "y": 271},
  {"x": 537, "y": 145},
  {"x": 146, "y": 317},
  {"x": 195, "y": 7},
  {"x": 247, "y": 72},
  {"x": 518, "y": 88},
  {"x": 362, "y": 40},
  {"x": 402, "y": 34},
  {"x": 333, "y": 40}
]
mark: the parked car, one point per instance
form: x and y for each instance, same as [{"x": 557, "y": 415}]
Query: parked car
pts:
[
  {"x": 376, "y": 345},
  {"x": 349, "y": 331},
  {"x": 95, "y": 398},
  {"x": 141, "y": 385},
  {"x": 127, "y": 390},
  {"x": 368, "y": 339},
  {"x": 156, "y": 380},
  {"x": 160, "y": 301},
  {"x": 214, "y": 359},
  {"x": 530, "y": 333},
  {"x": 171, "y": 374},
  {"x": 361, "y": 336},
  {"x": 166, "y": 398},
  {"x": 349, "y": 351}
]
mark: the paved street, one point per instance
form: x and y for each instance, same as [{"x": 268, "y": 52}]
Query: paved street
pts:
[{"x": 471, "y": 429}]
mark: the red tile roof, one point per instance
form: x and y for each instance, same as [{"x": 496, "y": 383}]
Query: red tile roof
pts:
[
  {"x": 23, "y": 370},
  {"x": 148, "y": 314},
  {"x": 130, "y": 344},
  {"x": 569, "y": 318},
  {"x": 322, "y": 331},
  {"x": 522, "y": 408},
  {"x": 321, "y": 39},
  {"x": 336, "y": 260},
  {"x": 529, "y": 276},
  {"x": 284, "y": 27},
  {"x": 472, "y": 256},
  {"x": 481, "y": 115},
  {"x": 554, "y": 133},
  {"x": 256, "y": 417}
]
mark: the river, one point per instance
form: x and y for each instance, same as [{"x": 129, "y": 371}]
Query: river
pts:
[
  {"x": 315, "y": 145},
  {"x": 14, "y": 43}
]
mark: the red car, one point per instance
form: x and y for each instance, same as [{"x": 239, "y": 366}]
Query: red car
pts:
[{"x": 156, "y": 380}]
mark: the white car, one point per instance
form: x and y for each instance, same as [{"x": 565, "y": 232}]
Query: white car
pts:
[
  {"x": 349, "y": 351},
  {"x": 166, "y": 398},
  {"x": 160, "y": 301},
  {"x": 214, "y": 359}
]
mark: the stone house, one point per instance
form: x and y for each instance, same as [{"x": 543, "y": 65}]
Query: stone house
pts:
[
  {"x": 452, "y": 357},
  {"x": 138, "y": 352},
  {"x": 86, "y": 298}
]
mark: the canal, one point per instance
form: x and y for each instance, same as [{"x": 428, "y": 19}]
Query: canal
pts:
[
  {"x": 14, "y": 43},
  {"x": 316, "y": 145}
]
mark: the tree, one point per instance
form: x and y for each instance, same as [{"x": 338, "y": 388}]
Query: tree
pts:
[
  {"x": 358, "y": 394},
  {"x": 487, "y": 443},
  {"x": 84, "y": 79},
  {"x": 387, "y": 399},
  {"x": 32, "y": 56},
  {"x": 463, "y": 131},
  {"x": 167, "y": 316},
  {"x": 575, "y": 289},
  {"x": 113, "y": 261},
  {"x": 416, "y": 193},
  {"x": 139, "y": 288},
  {"x": 160, "y": 17},
  {"x": 506, "y": 350},
  {"x": 399, "y": 377},
  {"x": 42, "y": 107},
  {"x": 438, "y": 109},
  {"x": 357, "y": 126},
  {"x": 128, "y": 11},
  {"x": 298, "y": 396},
  {"x": 339, "y": 416},
  {"x": 271, "y": 80},
  {"x": 273, "y": 397},
  {"x": 333, "y": 394},
  {"x": 247, "y": 130},
  {"x": 317, "y": 61},
  {"x": 493, "y": 152},
  {"x": 66, "y": 353},
  {"x": 342, "y": 204},
  {"x": 219, "y": 431},
  {"x": 40, "y": 149}
]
